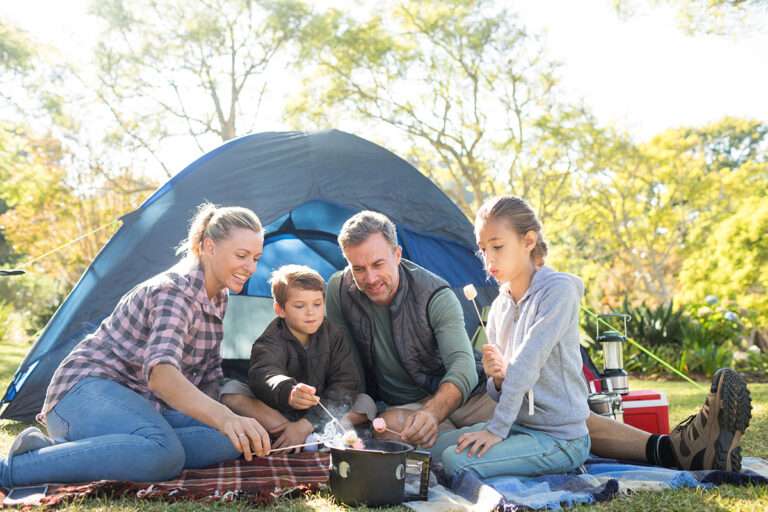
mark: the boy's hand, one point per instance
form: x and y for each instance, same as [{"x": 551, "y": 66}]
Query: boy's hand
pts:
[
  {"x": 493, "y": 364},
  {"x": 303, "y": 397},
  {"x": 291, "y": 433},
  {"x": 482, "y": 440}
]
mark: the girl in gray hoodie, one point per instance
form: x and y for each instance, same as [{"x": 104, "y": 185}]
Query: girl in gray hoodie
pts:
[{"x": 532, "y": 359}]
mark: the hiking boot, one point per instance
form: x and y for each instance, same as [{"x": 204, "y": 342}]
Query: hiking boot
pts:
[{"x": 710, "y": 439}]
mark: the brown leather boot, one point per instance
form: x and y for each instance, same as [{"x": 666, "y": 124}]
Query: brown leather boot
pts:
[{"x": 710, "y": 439}]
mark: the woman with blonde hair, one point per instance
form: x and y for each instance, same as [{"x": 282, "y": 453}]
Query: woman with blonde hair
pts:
[{"x": 135, "y": 400}]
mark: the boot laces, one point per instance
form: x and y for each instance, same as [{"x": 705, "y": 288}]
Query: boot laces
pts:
[{"x": 683, "y": 424}]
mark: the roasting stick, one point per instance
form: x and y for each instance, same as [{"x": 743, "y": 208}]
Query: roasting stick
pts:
[
  {"x": 470, "y": 293},
  {"x": 332, "y": 416},
  {"x": 295, "y": 446},
  {"x": 380, "y": 425}
]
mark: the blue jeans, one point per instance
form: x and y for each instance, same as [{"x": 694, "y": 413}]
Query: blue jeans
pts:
[
  {"x": 525, "y": 452},
  {"x": 113, "y": 433}
]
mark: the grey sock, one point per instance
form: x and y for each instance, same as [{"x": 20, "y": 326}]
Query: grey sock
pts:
[{"x": 30, "y": 439}]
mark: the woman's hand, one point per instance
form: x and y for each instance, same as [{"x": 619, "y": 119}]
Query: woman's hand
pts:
[
  {"x": 302, "y": 397},
  {"x": 481, "y": 440},
  {"x": 246, "y": 434},
  {"x": 291, "y": 433},
  {"x": 493, "y": 364}
]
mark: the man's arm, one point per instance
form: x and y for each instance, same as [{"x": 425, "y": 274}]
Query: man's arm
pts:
[
  {"x": 447, "y": 320},
  {"x": 421, "y": 426}
]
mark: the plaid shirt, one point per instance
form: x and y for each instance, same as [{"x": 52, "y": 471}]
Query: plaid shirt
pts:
[{"x": 167, "y": 319}]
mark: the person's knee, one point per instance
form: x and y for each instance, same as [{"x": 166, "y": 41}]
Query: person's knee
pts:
[
  {"x": 233, "y": 400},
  {"x": 454, "y": 463},
  {"x": 165, "y": 461},
  {"x": 395, "y": 418}
]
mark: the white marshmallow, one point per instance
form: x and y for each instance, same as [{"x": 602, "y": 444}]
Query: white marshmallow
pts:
[{"x": 469, "y": 292}]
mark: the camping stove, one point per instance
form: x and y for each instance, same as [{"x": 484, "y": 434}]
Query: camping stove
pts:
[{"x": 613, "y": 373}]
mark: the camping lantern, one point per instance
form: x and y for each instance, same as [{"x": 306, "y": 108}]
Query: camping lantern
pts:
[{"x": 613, "y": 373}]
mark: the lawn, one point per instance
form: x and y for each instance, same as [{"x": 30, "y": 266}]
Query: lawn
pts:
[{"x": 684, "y": 398}]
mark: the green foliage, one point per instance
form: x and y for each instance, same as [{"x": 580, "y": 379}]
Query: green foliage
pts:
[
  {"x": 720, "y": 17},
  {"x": 197, "y": 69},
  {"x": 650, "y": 326},
  {"x": 755, "y": 365},
  {"x": 28, "y": 78},
  {"x": 5, "y": 317},
  {"x": 647, "y": 213},
  {"x": 473, "y": 93},
  {"x": 34, "y": 297},
  {"x": 736, "y": 265},
  {"x": 655, "y": 326},
  {"x": 693, "y": 338},
  {"x": 702, "y": 352},
  {"x": 16, "y": 52}
]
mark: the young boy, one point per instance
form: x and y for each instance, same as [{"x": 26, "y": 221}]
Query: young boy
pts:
[{"x": 300, "y": 359}]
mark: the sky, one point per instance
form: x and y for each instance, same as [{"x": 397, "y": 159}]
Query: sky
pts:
[{"x": 643, "y": 73}]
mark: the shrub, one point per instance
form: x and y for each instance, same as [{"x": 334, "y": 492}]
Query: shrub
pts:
[
  {"x": 656, "y": 328},
  {"x": 695, "y": 338}
]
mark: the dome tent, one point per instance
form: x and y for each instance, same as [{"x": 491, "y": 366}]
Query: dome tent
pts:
[{"x": 303, "y": 186}]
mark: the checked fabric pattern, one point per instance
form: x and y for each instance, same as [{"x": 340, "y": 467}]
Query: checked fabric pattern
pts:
[{"x": 260, "y": 481}]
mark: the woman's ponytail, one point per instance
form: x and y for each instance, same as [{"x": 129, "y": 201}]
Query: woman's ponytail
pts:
[{"x": 216, "y": 223}]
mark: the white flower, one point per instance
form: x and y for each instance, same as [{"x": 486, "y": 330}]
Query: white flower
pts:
[{"x": 710, "y": 299}]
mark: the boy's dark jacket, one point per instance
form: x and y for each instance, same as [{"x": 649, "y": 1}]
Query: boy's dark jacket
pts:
[{"x": 279, "y": 362}]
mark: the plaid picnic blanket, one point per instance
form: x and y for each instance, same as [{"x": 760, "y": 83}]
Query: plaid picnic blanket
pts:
[{"x": 261, "y": 481}]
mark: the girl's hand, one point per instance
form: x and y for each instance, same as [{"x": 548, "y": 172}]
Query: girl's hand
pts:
[
  {"x": 246, "y": 434},
  {"x": 303, "y": 397},
  {"x": 481, "y": 440},
  {"x": 493, "y": 363}
]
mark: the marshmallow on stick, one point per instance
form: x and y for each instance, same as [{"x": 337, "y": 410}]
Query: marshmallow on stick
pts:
[
  {"x": 380, "y": 425},
  {"x": 470, "y": 293},
  {"x": 350, "y": 437}
]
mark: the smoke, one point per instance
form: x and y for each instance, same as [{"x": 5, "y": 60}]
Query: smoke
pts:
[{"x": 333, "y": 431}]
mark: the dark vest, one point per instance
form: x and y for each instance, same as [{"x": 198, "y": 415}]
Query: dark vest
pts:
[{"x": 409, "y": 321}]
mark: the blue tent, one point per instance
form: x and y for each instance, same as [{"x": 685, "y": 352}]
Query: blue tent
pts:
[{"x": 303, "y": 186}]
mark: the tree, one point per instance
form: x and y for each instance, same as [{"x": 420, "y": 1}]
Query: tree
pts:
[
  {"x": 720, "y": 17},
  {"x": 189, "y": 68},
  {"x": 733, "y": 264},
  {"x": 471, "y": 91},
  {"x": 50, "y": 206},
  {"x": 16, "y": 54},
  {"x": 653, "y": 206}
]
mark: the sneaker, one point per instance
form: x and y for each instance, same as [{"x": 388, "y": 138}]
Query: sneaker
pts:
[
  {"x": 30, "y": 439},
  {"x": 710, "y": 439}
]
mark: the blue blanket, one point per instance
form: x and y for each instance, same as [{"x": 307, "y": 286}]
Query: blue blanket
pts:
[{"x": 603, "y": 479}]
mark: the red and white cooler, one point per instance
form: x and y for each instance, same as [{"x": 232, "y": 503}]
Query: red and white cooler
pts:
[{"x": 646, "y": 409}]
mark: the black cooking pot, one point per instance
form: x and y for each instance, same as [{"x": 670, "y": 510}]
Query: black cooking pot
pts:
[{"x": 375, "y": 476}]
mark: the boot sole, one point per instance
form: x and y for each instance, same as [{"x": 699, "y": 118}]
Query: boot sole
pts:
[{"x": 733, "y": 419}]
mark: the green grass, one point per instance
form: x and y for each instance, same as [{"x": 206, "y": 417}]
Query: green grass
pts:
[{"x": 684, "y": 398}]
